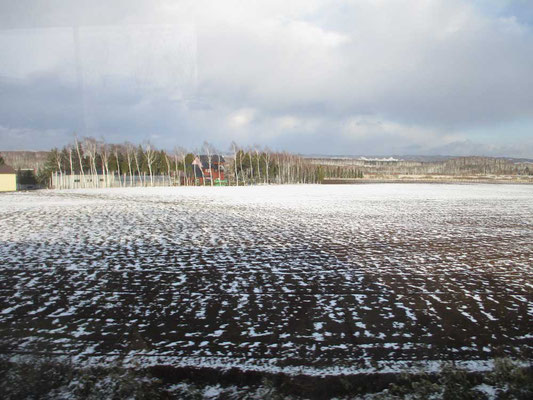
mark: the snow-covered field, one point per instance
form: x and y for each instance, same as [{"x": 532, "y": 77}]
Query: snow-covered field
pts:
[{"x": 314, "y": 279}]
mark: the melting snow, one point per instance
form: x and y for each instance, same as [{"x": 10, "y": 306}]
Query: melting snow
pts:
[{"x": 319, "y": 279}]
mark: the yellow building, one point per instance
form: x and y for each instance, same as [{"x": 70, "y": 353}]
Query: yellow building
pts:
[{"x": 8, "y": 179}]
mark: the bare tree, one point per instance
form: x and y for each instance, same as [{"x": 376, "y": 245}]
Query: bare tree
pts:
[
  {"x": 241, "y": 156},
  {"x": 168, "y": 169},
  {"x": 130, "y": 152},
  {"x": 219, "y": 161},
  {"x": 176, "y": 155},
  {"x": 58, "y": 161},
  {"x": 183, "y": 154},
  {"x": 90, "y": 147},
  {"x": 251, "y": 165},
  {"x": 137, "y": 165},
  {"x": 79, "y": 159},
  {"x": 149, "y": 154},
  {"x": 209, "y": 152},
  {"x": 258, "y": 168},
  {"x": 69, "y": 149},
  {"x": 235, "y": 149},
  {"x": 104, "y": 156},
  {"x": 267, "y": 164},
  {"x": 116, "y": 151}
]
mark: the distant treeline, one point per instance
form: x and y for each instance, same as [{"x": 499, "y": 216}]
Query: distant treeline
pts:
[
  {"x": 127, "y": 164},
  {"x": 94, "y": 163},
  {"x": 457, "y": 166},
  {"x": 25, "y": 159}
]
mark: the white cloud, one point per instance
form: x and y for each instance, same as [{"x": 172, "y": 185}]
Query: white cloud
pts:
[
  {"x": 288, "y": 122},
  {"x": 241, "y": 118}
]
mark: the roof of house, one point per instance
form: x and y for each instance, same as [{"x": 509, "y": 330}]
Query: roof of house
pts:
[
  {"x": 215, "y": 159},
  {"x": 6, "y": 169},
  {"x": 204, "y": 159}
]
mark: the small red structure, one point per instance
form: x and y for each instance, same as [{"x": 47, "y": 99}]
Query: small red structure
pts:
[{"x": 209, "y": 168}]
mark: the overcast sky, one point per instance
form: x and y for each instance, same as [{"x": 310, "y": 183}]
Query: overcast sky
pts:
[{"x": 371, "y": 77}]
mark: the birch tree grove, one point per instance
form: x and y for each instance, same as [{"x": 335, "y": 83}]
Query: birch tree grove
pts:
[{"x": 93, "y": 163}]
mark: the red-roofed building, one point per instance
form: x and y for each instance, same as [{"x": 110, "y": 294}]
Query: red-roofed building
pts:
[{"x": 207, "y": 168}]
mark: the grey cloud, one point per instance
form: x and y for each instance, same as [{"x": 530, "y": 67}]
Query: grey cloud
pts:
[
  {"x": 475, "y": 75},
  {"x": 30, "y": 139},
  {"x": 60, "y": 13},
  {"x": 41, "y": 102},
  {"x": 469, "y": 147},
  {"x": 182, "y": 72}
]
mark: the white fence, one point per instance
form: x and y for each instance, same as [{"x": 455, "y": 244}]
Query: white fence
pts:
[{"x": 64, "y": 181}]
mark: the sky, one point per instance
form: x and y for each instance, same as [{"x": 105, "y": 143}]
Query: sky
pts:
[{"x": 354, "y": 77}]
